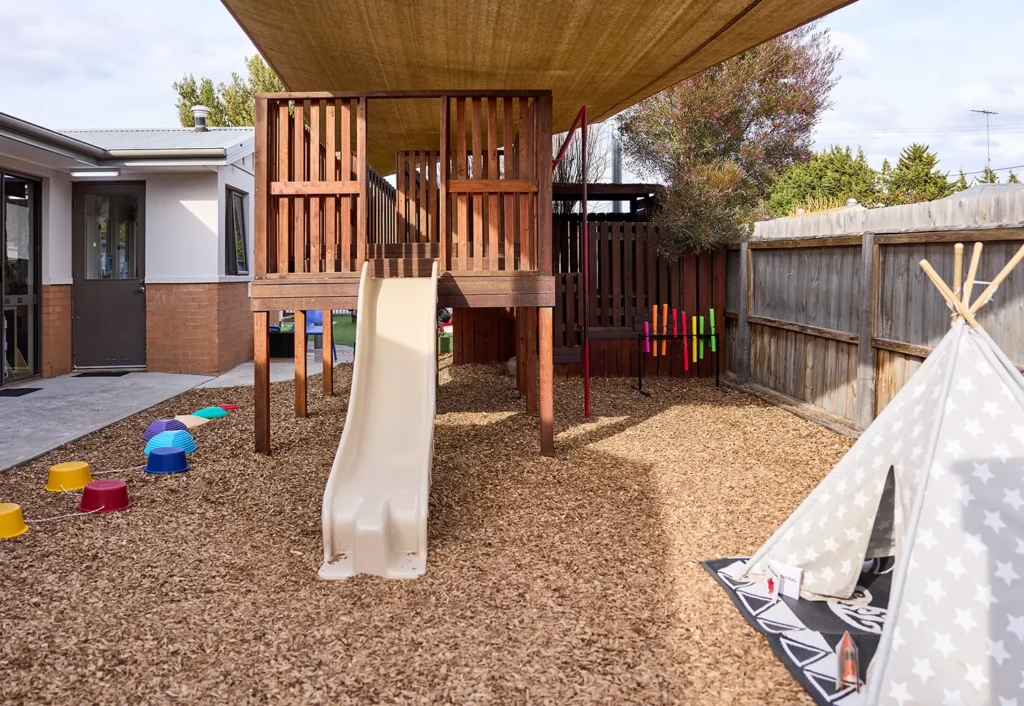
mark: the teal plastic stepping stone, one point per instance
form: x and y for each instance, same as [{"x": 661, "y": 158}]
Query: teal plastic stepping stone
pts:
[
  {"x": 165, "y": 439},
  {"x": 211, "y": 413}
]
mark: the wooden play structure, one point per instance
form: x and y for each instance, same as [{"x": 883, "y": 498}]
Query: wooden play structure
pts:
[
  {"x": 460, "y": 101},
  {"x": 483, "y": 213}
]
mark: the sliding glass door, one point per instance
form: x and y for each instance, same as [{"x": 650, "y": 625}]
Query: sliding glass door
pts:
[{"x": 19, "y": 277}]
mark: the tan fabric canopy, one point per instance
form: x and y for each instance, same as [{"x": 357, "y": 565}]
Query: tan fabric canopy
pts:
[{"x": 608, "y": 54}]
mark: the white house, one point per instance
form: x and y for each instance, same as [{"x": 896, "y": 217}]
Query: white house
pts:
[{"x": 125, "y": 249}]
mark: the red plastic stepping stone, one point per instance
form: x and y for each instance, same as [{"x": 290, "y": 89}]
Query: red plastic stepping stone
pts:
[{"x": 108, "y": 495}]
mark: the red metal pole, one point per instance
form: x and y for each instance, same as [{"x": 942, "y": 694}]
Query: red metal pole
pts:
[
  {"x": 586, "y": 274},
  {"x": 581, "y": 120}
]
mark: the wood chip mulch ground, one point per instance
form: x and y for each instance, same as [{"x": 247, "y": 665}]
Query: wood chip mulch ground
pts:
[{"x": 565, "y": 580}]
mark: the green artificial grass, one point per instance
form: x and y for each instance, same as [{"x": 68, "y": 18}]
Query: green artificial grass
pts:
[{"x": 344, "y": 330}]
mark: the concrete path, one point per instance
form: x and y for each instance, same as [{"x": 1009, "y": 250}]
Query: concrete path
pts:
[
  {"x": 281, "y": 369},
  {"x": 67, "y": 407}
]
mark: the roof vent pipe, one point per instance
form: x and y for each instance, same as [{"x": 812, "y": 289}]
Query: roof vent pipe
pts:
[{"x": 200, "y": 112}]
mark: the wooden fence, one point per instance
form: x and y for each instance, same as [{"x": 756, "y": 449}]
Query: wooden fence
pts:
[
  {"x": 627, "y": 276},
  {"x": 841, "y": 323}
]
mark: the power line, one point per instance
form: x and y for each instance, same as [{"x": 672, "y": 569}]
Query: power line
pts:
[{"x": 1000, "y": 169}]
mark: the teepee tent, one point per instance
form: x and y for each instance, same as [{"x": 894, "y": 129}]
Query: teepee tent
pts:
[{"x": 937, "y": 481}]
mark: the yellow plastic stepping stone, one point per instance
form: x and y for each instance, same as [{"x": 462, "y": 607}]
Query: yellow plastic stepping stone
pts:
[
  {"x": 12, "y": 522},
  {"x": 191, "y": 421},
  {"x": 73, "y": 475}
]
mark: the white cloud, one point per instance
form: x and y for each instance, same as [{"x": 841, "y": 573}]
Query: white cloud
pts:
[
  {"x": 914, "y": 70},
  {"x": 65, "y": 63}
]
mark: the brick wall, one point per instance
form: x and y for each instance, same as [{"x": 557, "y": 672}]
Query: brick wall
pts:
[
  {"x": 56, "y": 322},
  {"x": 197, "y": 328}
]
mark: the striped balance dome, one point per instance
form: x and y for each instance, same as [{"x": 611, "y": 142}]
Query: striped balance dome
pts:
[{"x": 182, "y": 439}]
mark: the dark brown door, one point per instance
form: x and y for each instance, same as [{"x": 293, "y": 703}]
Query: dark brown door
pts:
[{"x": 108, "y": 276}]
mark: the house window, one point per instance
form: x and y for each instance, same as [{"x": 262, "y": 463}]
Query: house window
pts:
[{"x": 236, "y": 258}]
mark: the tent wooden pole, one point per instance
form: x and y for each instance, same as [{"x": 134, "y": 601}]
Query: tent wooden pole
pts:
[
  {"x": 958, "y": 274},
  {"x": 994, "y": 284},
  {"x": 971, "y": 272},
  {"x": 958, "y": 268},
  {"x": 957, "y": 305}
]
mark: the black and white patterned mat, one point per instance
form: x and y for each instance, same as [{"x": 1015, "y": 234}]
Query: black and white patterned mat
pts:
[{"x": 804, "y": 634}]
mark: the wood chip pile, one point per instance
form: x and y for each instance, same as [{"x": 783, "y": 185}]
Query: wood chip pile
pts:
[{"x": 573, "y": 579}]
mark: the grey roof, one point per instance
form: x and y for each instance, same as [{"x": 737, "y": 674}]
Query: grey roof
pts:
[
  {"x": 987, "y": 190},
  {"x": 163, "y": 138}
]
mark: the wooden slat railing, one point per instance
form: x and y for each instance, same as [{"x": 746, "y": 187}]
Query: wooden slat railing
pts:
[{"x": 477, "y": 195}]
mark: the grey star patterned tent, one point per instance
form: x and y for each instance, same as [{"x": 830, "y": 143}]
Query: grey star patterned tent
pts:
[{"x": 937, "y": 481}]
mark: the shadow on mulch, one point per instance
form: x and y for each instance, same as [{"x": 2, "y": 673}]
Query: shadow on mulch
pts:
[{"x": 572, "y": 579}]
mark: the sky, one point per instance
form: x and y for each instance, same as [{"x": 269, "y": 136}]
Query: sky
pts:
[{"x": 912, "y": 70}]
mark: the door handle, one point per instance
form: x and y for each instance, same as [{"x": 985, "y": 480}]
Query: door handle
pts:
[{"x": 142, "y": 287}]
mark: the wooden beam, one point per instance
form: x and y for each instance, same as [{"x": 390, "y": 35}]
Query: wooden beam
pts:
[
  {"x": 300, "y": 363},
  {"x": 261, "y": 369},
  {"x": 492, "y": 186},
  {"x": 834, "y": 241},
  {"x": 328, "y": 351},
  {"x": 743, "y": 330},
  {"x": 910, "y": 349},
  {"x": 530, "y": 320},
  {"x": 313, "y": 188},
  {"x": 427, "y": 93},
  {"x": 260, "y": 185},
  {"x": 444, "y": 211},
  {"x": 547, "y": 374},
  {"x": 544, "y": 240},
  {"x": 865, "y": 354},
  {"x": 951, "y": 236},
  {"x": 831, "y": 334},
  {"x": 362, "y": 212}
]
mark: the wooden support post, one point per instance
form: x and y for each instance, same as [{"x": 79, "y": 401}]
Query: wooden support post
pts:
[
  {"x": 743, "y": 330},
  {"x": 865, "y": 353},
  {"x": 328, "y": 341},
  {"x": 530, "y": 321},
  {"x": 547, "y": 375},
  {"x": 300, "y": 363},
  {"x": 521, "y": 351},
  {"x": 261, "y": 183},
  {"x": 261, "y": 367},
  {"x": 362, "y": 208}
]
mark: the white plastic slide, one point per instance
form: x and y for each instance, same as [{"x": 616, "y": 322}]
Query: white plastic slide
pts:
[{"x": 375, "y": 503}]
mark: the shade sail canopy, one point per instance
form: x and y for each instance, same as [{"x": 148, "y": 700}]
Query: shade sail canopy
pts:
[{"x": 607, "y": 54}]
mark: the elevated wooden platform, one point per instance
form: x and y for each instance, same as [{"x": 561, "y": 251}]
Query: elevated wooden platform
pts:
[
  {"x": 478, "y": 206},
  {"x": 454, "y": 289}
]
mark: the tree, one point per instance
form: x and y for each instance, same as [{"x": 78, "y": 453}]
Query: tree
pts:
[
  {"x": 570, "y": 169},
  {"x": 915, "y": 178},
  {"x": 230, "y": 104},
  {"x": 192, "y": 93},
  {"x": 987, "y": 177},
  {"x": 1013, "y": 178},
  {"x": 720, "y": 139},
  {"x": 239, "y": 95},
  {"x": 961, "y": 183},
  {"x": 834, "y": 174}
]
